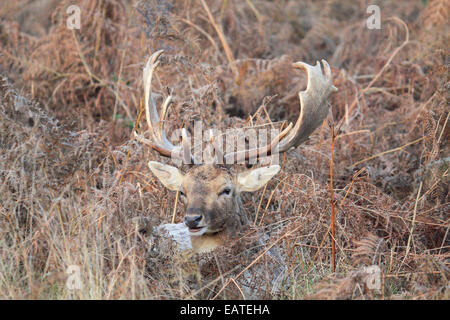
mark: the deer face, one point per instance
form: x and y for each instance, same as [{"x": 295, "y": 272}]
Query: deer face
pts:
[{"x": 211, "y": 194}]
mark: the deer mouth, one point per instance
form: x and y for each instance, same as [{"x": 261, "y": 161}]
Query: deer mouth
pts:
[{"x": 197, "y": 231}]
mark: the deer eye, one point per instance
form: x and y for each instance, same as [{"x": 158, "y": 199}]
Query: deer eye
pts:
[
  {"x": 182, "y": 193},
  {"x": 225, "y": 191}
]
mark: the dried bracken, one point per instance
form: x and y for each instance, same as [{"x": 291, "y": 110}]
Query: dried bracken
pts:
[
  {"x": 74, "y": 184},
  {"x": 369, "y": 250}
]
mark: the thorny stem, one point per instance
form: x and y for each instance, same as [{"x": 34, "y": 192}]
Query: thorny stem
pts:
[{"x": 333, "y": 249}]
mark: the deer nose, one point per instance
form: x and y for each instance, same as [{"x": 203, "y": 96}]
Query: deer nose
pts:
[{"x": 192, "y": 221}]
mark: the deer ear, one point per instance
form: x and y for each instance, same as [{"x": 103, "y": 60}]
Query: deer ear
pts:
[
  {"x": 254, "y": 179},
  {"x": 169, "y": 176}
]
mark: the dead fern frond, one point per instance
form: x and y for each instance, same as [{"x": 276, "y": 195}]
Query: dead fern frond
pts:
[
  {"x": 369, "y": 250},
  {"x": 436, "y": 13},
  {"x": 358, "y": 284}
]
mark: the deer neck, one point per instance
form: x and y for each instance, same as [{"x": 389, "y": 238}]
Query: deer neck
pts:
[{"x": 207, "y": 242}]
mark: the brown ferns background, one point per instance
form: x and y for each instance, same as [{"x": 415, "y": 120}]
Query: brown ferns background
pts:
[{"x": 74, "y": 185}]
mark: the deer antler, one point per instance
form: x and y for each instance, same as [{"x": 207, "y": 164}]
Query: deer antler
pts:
[
  {"x": 313, "y": 110},
  {"x": 159, "y": 141}
]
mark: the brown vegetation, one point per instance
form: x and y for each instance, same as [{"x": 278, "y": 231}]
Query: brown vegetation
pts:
[{"x": 73, "y": 181}]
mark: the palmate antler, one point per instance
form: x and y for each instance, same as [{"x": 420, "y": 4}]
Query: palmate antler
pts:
[
  {"x": 313, "y": 110},
  {"x": 155, "y": 122}
]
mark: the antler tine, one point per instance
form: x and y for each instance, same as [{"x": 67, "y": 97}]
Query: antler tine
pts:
[
  {"x": 313, "y": 110},
  {"x": 159, "y": 141}
]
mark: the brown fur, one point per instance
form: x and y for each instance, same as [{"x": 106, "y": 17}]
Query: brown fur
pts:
[
  {"x": 211, "y": 194},
  {"x": 223, "y": 215}
]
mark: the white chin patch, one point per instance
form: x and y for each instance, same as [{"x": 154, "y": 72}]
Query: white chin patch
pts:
[{"x": 198, "y": 232}]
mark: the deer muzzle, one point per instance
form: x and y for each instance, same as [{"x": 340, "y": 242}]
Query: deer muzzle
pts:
[{"x": 193, "y": 222}]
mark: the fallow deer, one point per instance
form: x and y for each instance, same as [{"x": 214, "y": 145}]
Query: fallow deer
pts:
[{"x": 211, "y": 192}]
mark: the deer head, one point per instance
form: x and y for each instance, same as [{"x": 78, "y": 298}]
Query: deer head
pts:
[{"x": 211, "y": 192}]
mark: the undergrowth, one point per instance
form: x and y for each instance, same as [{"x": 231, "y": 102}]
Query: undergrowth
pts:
[{"x": 74, "y": 184}]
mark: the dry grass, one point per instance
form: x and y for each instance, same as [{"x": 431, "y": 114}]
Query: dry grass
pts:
[{"x": 75, "y": 190}]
